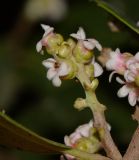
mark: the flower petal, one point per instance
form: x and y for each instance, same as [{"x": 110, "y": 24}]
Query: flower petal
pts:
[
  {"x": 39, "y": 46},
  {"x": 129, "y": 76},
  {"x": 111, "y": 64},
  {"x": 56, "y": 81},
  {"x": 96, "y": 44},
  {"x": 47, "y": 29},
  {"x": 74, "y": 35},
  {"x": 67, "y": 141},
  {"x": 49, "y": 63},
  {"x": 129, "y": 62},
  {"x": 81, "y": 33},
  {"x": 111, "y": 75},
  {"x": 119, "y": 80},
  {"x": 97, "y": 70},
  {"x": 88, "y": 45},
  {"x": 74, "y": 137},
  {"x": 123, "y": 91},
  {"x": 83, "y": 130},
  {"x": 137, "y": 56},
  {"x": 117, "y": 51},
  {"x": 132, "y": 98},
  {"x": 51, "y": 73},
  {"x": 63, "y": 69}
]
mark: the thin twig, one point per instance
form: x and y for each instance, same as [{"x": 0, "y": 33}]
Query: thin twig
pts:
[
  {"x": 132, "y": 152},
  {"x": 99, "y": 117},
  {"x": 106, "y": 139}
]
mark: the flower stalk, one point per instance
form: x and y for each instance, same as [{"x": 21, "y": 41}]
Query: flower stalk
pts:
[{"x": 99, "y": 119}]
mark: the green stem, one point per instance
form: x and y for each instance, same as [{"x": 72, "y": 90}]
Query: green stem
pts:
[
  {"x": 99, "y": 116},
  {"x": 102, "y": 126}
]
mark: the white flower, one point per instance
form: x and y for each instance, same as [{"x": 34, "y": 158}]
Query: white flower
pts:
[
  {"x": 116, "y": 61},
  {"x": 89, "y": 44},
  {"x": 43, "y": 41},
  {"x": 81, "y": 131},
  {"x": 130, "y": 90},
  {"x": 97, "y": 68},
  {"x": 55, "y": 70},
  {"x": 71, "y": 140},
  {"x": 132, "y": 68}
]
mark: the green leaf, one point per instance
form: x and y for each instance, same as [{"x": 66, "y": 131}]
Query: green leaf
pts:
[
  {"x": 117, "y": 13},
  {"x": 15, "y": 135}
]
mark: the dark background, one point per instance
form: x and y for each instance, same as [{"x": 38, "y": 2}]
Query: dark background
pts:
[{"x": 28, "y": 97}]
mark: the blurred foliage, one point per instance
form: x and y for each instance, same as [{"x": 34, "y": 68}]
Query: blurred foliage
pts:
[{"x": 30, "y": 98}]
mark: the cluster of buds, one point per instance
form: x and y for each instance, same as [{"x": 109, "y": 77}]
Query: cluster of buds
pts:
[
  {"x": 67, "y": 55},
  {"x": 83, "y": 138},
  {"x": 127, "y": 65}
]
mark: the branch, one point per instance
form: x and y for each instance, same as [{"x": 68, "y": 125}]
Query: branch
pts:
[
  {"x": 102, "y": 126},
  {"x": 106, "y": 139},
  {"x": 133, "y": 148},
  {"x": 99, "y": 117}
]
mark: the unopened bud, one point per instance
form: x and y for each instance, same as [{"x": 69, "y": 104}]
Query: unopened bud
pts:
[
  {"x": 80, "y": 103},
  {"x": 88, "y": 144},
  {"x": 94, "y": 84},
  {"x": 81, "y": 54},
  {"x": 89, "y": 69},
  {"x": 73, "y": 70},
  {"x": 72, "y": 43},
  {"x": 64, "y": 50},
  {"x": 53, "y": 43}
]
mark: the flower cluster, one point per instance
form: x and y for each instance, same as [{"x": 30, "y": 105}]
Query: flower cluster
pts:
[
  {"x": 126, "y": 65},
  {"x": 68, "y": 55},
  {"x": 83, "y": 138}
]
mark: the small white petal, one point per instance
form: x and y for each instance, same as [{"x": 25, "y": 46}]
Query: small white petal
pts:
[
  {"x": 132, "y": 98},
  {"x": 129, "y": 62},
  {"x": 119, "y": 80},
  {"x": 47, "y": 29},
  {"x": 88, "y": 45},
  {"x": 111, "y": 64},
  {"x": 129, "y": 76},
  {"x": 84, "y": 130},
  {"x": 56, "y": 81},
  {"x": 39, "y": 46},
  {"x": 81, "y": 33},
  {"x": 97, "y": 70},
  {"x": 109, "y": 126},
  {"x": 67, "y": 141},
  {"x": 123, "y": 91},
  {"x": 137, "y": 56},
  {"x": 90, "y": 123},
  {"x": 96, "y": 44},
  {"x": 111, "y": 75},
  {"x": 74, "y": 35},
  {"x": 49, "y": 63},
  {"x": 74, "y": 137},
  {"x": 117, "y": 51},
  {"x": 51, "y": 73},
  {"x": 63, "y": 69}
]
